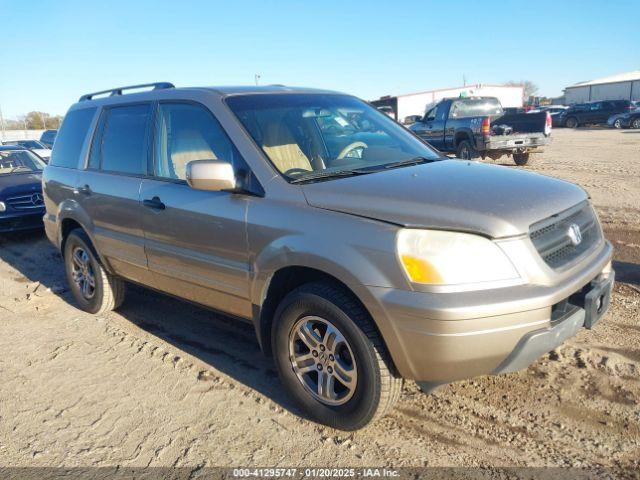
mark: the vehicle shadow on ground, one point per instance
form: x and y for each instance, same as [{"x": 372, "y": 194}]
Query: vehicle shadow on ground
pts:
[
  {"x": 227, "y": 345},
  {"x": 631, "y": 131},
  {"x": 40, "y": 263},
  {"x": 627, "y": 272}
]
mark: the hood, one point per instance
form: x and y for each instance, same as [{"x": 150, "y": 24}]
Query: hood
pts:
[
  {"x": 450, "y": 194},
  {"x": 19, "y": 183}
]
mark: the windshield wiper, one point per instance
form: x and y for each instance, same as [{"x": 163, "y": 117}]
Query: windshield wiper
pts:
[
  {"x": 321, "y": 175},
  {"x": 409, "y": 161}
]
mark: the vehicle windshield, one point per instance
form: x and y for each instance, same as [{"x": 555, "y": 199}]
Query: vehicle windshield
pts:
[
  {"x": 19, "y": 161},
  {"x": 318, "y": 135}
]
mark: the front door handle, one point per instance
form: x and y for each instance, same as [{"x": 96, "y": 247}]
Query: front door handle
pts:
[
  {"x": 84, "y": 190},
  {"x": 154, "y": 203}
]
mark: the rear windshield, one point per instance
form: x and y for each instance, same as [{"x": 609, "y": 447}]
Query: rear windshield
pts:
[{"x": 479, "y": 107}]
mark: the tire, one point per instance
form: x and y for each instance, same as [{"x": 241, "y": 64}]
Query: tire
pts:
[
  {"x": 635, "y": 123},
  {"x": 617, "y": 123},
  {"x": 571, "y": 122},
  {"x": 376, "y": 386},
  {"x": 465, "y": 151},
  {"x": 81, "y": 263},
  {"x": 521, "y": 159}
]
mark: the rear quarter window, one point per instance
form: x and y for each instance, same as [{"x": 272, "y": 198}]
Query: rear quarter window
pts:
[{"x": 71, "y": 137}]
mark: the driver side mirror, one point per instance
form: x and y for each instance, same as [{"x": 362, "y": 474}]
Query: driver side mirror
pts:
[{"x": 212, "y": 175}]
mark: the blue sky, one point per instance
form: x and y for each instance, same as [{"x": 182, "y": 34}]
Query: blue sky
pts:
[{"x": 56, "y": 50}]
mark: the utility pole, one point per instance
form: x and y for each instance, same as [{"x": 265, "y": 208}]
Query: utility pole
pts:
[
  {"x": 44, "y": 122},
  {"x": 464, "y": 80},
  {"x": 257, "y": 78}
]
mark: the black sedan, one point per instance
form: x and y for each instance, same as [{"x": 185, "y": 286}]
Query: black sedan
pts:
[{"x": 21, "y": 201}]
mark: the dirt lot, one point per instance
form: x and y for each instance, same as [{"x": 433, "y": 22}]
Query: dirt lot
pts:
[{"x": 165, "y": 383}]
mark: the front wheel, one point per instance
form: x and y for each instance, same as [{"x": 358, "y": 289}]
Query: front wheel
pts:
[
  {"x": 331, "y": 358},
  {"x": 465, "y": 151},
  {"x": 94, "y": 289},
  {"x": 635, "y": 123},
  {"x": 617, "y": 123},
  {"x": 521, "y": 159}
]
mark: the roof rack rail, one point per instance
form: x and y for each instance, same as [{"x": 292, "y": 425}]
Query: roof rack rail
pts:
[{"x": 118, "y": 91}]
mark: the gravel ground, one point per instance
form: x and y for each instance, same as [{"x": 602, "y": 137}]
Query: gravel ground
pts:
[{"x": 165, "y": 383}]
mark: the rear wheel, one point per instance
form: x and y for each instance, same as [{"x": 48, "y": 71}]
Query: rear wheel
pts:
[
  {"x": 521, "y": 159},
  {"x": 95, "y": 290},
  {"x": 465, "y": 151},
  {"x": 331, "y": 358},
  {"x": 617, "y": 123},
  {"x": 572, "y": 122}
]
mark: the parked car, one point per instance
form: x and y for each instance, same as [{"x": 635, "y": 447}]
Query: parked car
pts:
[
  {"x": 630, "y": 119},
  {"x": 48, "y": 137},
  {"x": 21, "y": 200},
  {"x": 35, "y": 146},
  {"x": 360, "y": 254},
  {"x": 554, "y": 111},
  {"x": 464, "y": 126},
  {"x": 593, "y": 113}
]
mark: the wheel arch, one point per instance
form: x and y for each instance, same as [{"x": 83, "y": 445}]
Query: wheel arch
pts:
[
  {"x": 285, "y": 280},
  {"x": 68, "y": 221},
  {"x": 462, "y": 135}
]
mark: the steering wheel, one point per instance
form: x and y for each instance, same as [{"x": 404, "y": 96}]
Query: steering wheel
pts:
[{"x": 351, "y": 146}]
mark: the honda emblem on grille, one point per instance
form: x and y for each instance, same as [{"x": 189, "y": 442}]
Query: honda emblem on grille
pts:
[
  {"x": 37, "y": 199},
  {"x": 574, "y": 234}
]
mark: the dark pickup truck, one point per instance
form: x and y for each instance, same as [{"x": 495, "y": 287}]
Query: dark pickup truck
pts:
[{"x": 478, "y": 127}]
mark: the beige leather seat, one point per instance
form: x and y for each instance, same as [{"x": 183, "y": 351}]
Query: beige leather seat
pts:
[
  {"x": 282, "y": 148},
  {"x": 187, "y": 146}
]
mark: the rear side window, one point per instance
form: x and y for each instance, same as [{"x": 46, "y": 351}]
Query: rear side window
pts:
[
  {"x": 71, "y": 138},
  {"x": 121, "y": 141},
  {"x": 475, "y": 108}
]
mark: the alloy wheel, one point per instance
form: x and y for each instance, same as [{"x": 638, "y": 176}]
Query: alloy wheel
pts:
[
  {"x": 82, "y": 273},
  {"x": 323, "y": 360}
]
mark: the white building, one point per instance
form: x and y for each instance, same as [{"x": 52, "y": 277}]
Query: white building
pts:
[
  {"x": 416, "y": 103},
  {"x": 624, "y": 86}
]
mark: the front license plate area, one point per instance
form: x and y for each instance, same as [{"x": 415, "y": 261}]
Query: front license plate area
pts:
[{"x": 597, "y": 301}]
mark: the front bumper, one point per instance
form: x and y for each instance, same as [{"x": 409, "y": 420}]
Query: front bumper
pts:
[
  {"x": 584, "y": 309},
  {"x": 16, "y": 222},
  {"x": 442, "y": 337}
]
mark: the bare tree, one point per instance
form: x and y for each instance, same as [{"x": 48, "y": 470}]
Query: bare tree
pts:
[{"x": 530, "y": 88}]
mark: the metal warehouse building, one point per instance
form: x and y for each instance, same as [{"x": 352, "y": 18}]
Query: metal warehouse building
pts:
[
  {"x": 416, "y": 103},
  {"x": 625, "y": 86}
]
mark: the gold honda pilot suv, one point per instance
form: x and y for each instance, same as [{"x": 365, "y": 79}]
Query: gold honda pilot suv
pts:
[{"x": 360, "y": 254}]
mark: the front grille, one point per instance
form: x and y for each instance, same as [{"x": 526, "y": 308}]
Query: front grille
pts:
[
  {"x": 26, "y": 202},
  {"x": 552, "y": 237}
]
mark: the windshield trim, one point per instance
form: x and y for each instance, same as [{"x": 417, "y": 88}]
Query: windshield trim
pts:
[{"x": 291, "y": 180}]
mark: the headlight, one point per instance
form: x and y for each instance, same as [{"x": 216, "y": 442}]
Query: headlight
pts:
[
  {"x": 3, "y": 207},
  {"x": 450, "y": 258}
]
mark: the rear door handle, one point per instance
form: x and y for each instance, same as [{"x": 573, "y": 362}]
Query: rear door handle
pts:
[
  {"x": 84, "y": 190},
  {"x": 154, "y": 203}
]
